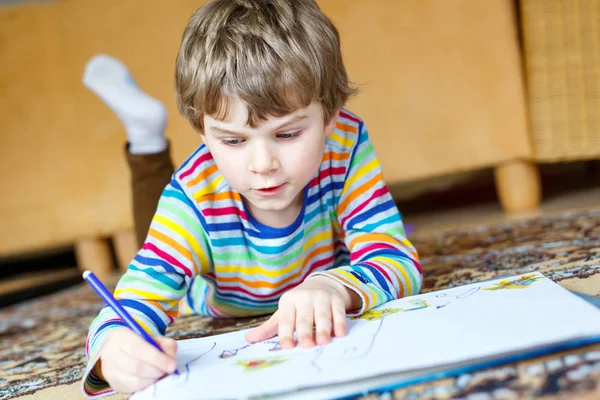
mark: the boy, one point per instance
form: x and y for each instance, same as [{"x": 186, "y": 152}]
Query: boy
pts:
[{"x": 283, "y": 208}]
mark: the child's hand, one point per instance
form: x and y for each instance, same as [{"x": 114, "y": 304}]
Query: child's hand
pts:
[
  {"x": 319, "y": 301},
  {"x": 129, "y": 363}
]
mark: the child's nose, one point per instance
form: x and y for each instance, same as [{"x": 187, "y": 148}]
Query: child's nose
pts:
[{"x": 263, "y": 160}]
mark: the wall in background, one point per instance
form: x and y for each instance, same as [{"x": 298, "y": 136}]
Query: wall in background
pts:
[{"x": 441, "y": 93}]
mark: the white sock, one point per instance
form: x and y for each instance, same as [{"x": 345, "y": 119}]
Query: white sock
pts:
[{"x": 143, "y": 116}]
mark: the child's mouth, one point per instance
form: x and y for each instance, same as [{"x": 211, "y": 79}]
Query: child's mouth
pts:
[{"x": 271, "y": 190}]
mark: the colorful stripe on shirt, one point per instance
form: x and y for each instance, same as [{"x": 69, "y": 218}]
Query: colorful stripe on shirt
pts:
[{"x": 206, "y": 254}]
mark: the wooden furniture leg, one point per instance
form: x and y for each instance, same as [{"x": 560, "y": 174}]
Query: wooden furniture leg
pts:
[
  {"x": 126, "y": 248},
  {"x": 94, "y": 254},
  {"x": 518, "y": 185}
]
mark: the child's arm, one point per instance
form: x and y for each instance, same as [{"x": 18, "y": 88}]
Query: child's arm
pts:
[
  {"x": 384, "y": 265},
  {"x": 157, "y": 278}
]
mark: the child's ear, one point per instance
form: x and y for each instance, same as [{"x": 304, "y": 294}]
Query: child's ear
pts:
[
  {"x": 204, "y": 141},
  {"x": 331, "y": 124},
  {"x": 200, "y": 127}
]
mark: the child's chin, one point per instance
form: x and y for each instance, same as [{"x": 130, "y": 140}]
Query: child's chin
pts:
[{"x": 270, "y": 205}]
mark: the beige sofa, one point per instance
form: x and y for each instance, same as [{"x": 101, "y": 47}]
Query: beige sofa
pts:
[{"x": 441, "y": 83}]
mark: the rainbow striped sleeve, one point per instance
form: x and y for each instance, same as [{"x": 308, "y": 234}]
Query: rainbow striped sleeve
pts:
[
  {"x": 384, "y": 265},
  {"x": 156, "y": 280}
]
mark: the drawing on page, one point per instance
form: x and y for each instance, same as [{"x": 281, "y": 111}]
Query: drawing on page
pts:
[
  {"x": 374, "y": 315},
  {"x": 382, "y": 342},
  {"x": 448, "y": 298},
  {"x": 372, "y": 341},
  {"x": 184, "y": 376},
  {"x": 231, "y": 353},
  {"x": 228, "y": 353},
  {"x": 260, "y": 363},
  {"x": 193, "y": 360},
  {"x": 314, "y": 361},
  {"x": 334, "y": 354},
  {"x": 523, "y": 282},
  {"x": 276, "y": 346}
]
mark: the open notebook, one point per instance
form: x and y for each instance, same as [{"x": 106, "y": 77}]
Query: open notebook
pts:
[{"x": 406, "y": 341}]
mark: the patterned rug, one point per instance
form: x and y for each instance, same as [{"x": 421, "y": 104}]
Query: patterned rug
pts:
[{"x": 42, "y": 341}]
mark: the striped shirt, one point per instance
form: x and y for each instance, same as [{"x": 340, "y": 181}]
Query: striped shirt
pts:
[{"x": 206, "y": 254}]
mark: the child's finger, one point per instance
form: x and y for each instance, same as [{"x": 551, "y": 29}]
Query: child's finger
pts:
[
  {"x": 129, "y": 384},
  {"x": 137, "y": 347},
  {"x": 168, "y": 345},
  {"x": 323, "y": 322},
  {"x": 285, "y": 324},
  {"x": 265, "y": 331},
  {"x": 304, "y": 323},
  {"x": 136, "y": 367},
  {"x": 338, "y": 311}
]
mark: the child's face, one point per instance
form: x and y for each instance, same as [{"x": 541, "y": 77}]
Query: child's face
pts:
[{"x": 271, "y": 164}]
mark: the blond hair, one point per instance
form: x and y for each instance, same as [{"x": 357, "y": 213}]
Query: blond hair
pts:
[{"x": 276, "y": 56}]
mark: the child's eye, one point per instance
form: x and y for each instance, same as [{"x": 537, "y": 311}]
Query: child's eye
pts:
[
  {"x": 232, "y": 142},
  {"x": 288, "y": 135}
]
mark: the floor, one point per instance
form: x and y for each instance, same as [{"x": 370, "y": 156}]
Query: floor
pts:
[
  {"x": 567, "y": 188},
  {"x": 491, "y": 213}
]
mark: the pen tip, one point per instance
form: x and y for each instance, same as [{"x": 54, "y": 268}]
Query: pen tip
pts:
[{"x": 86, "y": 274}]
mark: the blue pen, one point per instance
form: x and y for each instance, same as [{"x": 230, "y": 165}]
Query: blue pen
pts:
[{"x": 114, "y": 304}]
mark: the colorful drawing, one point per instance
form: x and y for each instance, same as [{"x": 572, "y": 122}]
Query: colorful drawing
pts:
[
  {"x": 518, "y": 283},
  {"x": 418, "y": 304},
  {"x": 373, "y": 315},
  {"x": 260, "y": 363}
]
